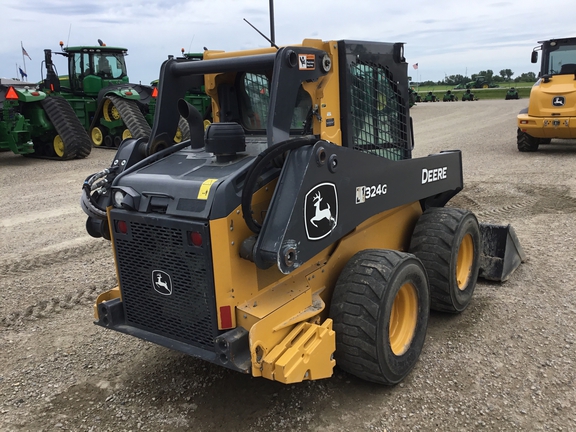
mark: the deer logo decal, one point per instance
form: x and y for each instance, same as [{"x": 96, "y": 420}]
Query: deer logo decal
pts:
[
  {"x": 162, "y": 282},
  {"x": 321, "y": 211},
  {"x": 558, "y": 101}
]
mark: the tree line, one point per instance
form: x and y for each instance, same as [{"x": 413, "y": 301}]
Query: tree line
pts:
[{"x": 505, "y": 76}]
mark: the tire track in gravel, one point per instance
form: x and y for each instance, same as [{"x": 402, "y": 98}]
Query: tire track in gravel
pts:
[
  {"x": 49, "y": 257},
  {"x": 528, "y": 201},
  {"x": 48, "y": 307}
]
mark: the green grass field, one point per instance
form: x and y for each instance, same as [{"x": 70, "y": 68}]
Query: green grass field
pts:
[{"x": 493, "y": 93}]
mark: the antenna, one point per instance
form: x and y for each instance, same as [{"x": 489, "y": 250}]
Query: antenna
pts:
[
  {"x": 262, "y": 34},
  {"x": 271, "y": 7},
  {"x": 190, "y": 47},
  {"x": 69, "y": 31}
]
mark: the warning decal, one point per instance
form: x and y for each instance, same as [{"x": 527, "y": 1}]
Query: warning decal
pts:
[
  {"x": 306, "y": 62},
  {"x": 205, "y": 189}
]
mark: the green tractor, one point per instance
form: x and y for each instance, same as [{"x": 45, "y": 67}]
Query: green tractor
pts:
[
  {"x": 430, "y": 97},
  {"x": 481, "y": 82},
  {"x": 35, "y": 125},
  {"x": 449, "y": 97},
  {"x": 469, "y": 96},
  {"x": 97, "y": 87},
  {"x": 512, "y": 93}
]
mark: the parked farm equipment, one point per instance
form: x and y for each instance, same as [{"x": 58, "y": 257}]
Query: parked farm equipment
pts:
[
  {"x": 512, "y": 93},
  {"x": 430, "y": 97},
  {"x": 36, "y": 125},
  {"x": 98, "y": 89},
  {"x": 469, "y": 96},
  {"x": 449, "y": 97},
  {"x": 552, "y": 106}
]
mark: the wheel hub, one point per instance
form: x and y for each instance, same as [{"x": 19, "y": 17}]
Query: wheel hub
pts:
[
  {"x": 403, "y": 317},
  {"x": 464, "y": 261},
  {"x": 58, "y": 146}
]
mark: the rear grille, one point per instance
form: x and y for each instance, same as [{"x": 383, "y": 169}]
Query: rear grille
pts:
[{"x": 159, "y": 245}]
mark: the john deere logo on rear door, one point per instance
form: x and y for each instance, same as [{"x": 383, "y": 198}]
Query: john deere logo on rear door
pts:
[
  {"x": 321, "y": 211},
  {"x": 558, "y": 101},
  {"x": 161, "y": 282}
]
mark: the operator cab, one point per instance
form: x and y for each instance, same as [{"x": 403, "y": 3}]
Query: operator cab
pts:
[
  {"x": 558, "y": 57},
  {"x": 92, "y": 68}
]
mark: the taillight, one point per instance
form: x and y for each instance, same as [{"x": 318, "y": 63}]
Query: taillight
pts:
[
  {"x": 121, "y": 227},
  {"x": 225, "y": 317},
  {"x": 195, "y": 238}
]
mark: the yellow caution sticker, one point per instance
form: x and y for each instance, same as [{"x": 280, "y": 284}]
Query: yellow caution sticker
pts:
[{"x": 205, "y": 188}]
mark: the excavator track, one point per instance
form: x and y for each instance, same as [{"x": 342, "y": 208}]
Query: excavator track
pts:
[{"x": 70, "y": 140}]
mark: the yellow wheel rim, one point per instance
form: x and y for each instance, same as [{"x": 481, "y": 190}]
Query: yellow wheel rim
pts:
[
  {"x": 178, "y": 136},
  {"x": 97, "y": 136},
  {"x": 126, "y": 134},
  {"x": 58, "y": 146},
  {"x": 403, "y": 318},
  {"x": 485, "y": 86},
  {"x": 207, "y": 123},
  {"x": 110, "y": 113},
  {"x": 464, "y": 261}
]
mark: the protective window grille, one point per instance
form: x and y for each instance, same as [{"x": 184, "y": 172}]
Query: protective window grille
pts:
[
  {"x": 378, "y": 115},
  {"x": 256, "y": 105},
  {"x": 256, "y": 112}
]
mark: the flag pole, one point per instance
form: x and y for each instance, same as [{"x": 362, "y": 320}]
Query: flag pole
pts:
[{"x": 23, "y": 60}]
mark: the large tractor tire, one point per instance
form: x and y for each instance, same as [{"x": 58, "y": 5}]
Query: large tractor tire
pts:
[
  {"x": 527, "y": 143},
  {"x": 115, "y": 108},
  {"x": 183, "y": 131},
  {"x": 448, "y": 242},
  {"x": 70, "y": 140},
  {"x": 380, "y": 310}
]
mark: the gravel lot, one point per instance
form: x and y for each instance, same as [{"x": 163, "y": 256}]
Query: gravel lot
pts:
[{"x": 506, "y": 363}]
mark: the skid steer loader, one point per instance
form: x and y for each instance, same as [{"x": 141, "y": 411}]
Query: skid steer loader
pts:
[{"x": 297, "y": 232}]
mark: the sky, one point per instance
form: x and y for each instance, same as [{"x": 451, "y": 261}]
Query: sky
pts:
[{"x": 444, "y": 37}]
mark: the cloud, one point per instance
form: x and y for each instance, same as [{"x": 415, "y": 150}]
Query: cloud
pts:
[{"x": 445, "y": 36}]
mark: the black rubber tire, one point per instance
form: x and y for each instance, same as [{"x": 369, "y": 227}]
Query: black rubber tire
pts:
[
  {"x": 527, "y": 143},
  {"x": 361, "y": 309},
  {"x": 440, "y": 240}
]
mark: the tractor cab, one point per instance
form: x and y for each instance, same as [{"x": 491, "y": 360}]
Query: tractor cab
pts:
[{"x": 92, "y": 68}]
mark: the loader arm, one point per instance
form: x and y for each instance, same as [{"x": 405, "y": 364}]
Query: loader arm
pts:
[{"x": 296, "y": 228}]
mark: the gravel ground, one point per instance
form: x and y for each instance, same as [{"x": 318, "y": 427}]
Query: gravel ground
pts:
[{"x": 506, "y": 363}]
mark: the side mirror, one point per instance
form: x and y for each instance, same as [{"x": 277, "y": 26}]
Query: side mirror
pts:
[{"x": 534, "y": 58}]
